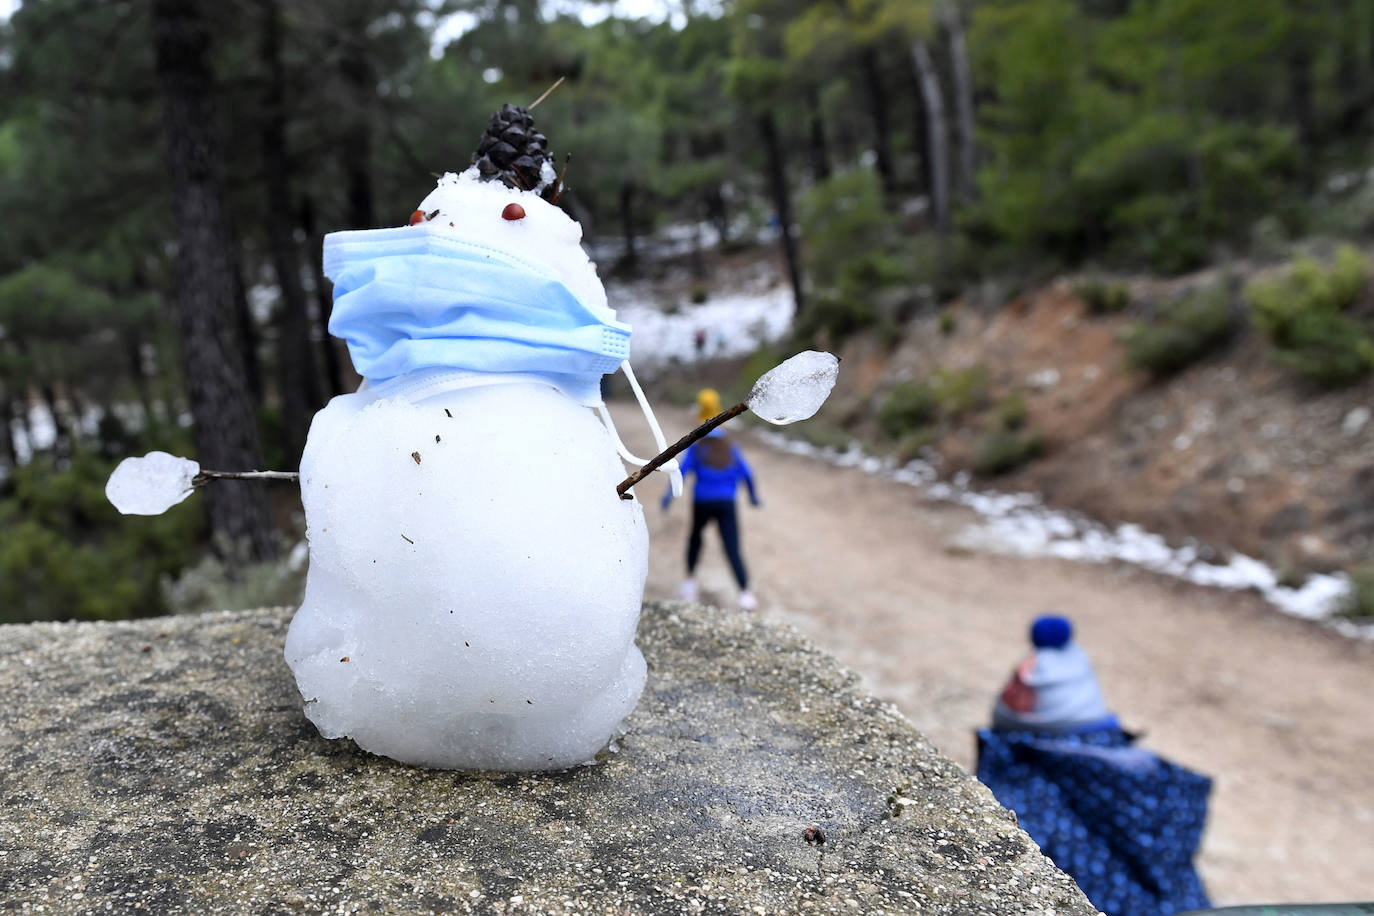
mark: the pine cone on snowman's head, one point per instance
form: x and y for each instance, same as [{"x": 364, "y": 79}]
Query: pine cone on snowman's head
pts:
[{"x": 512, "y": 151}]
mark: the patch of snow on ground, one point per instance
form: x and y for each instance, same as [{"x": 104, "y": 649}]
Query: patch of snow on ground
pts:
[
  {"x": 736, "y": 324},
  {"x": 1020, "y": 524}
]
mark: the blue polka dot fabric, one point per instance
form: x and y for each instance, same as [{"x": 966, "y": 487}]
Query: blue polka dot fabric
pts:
[{"x": 1122, "y": 822}]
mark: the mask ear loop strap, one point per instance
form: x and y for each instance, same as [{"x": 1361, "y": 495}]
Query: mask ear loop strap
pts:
[
  {"x": 620, "y": 448},
  {"x": 670, "y": 467}
]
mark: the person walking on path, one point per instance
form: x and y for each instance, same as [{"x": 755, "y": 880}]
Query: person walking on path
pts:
[{"x": 718, "y": 467}]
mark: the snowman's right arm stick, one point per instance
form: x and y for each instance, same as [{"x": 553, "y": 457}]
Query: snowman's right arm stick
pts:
[
  {"x": 678, "y": 448},
  {"x": 205, "y": 477}
]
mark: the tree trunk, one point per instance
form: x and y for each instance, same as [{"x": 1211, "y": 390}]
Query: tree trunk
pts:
[
  {"x": 11, "y": 453},
  {"x": 356, "y": 70},
  {"x": 818, "y": 147},
  {"x": 937, "y": 148},
  {"x": 63, "y": 438},
  {"x": 211, "y": 348},
  {"x": 963, "y": 99},
  {"x": 718, "y": 214},
  {"x": 882, "y": 133},
  {"x": 1302, "y": 104},
  {"x": 627, "y": 222},
  {"x": 777, "y": 184},
  {"x": 133, "y": 352},
  {"x": 335, "y": 378},
  {"x": 62, "y": 441},
  {"x": 300, "y": 395}
]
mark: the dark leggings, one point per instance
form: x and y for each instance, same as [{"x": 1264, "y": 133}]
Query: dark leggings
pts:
[{"x": 723, "y": 514}]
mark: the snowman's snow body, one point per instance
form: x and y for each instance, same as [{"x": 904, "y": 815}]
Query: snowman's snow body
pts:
[{"x": 475, "y": 580}]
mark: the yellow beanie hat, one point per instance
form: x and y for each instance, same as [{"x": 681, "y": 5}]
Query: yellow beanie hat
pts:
[{"x": 708, "y": 404}]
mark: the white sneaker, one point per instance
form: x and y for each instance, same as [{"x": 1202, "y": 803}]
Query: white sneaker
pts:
[
  {"x": 747, "y": 601},
  {"x": 687, "y": 591}
]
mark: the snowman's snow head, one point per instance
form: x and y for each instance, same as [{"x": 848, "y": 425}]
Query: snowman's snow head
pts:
[{"x": 520, "y": 223}]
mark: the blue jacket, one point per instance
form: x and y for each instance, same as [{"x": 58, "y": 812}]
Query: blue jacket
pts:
[
  {"x": 1124, "y": 823},
  {"x": 715, "y": 484}
]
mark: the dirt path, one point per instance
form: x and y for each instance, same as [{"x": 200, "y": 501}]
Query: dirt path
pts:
[{"x": 1279, "y": 712}]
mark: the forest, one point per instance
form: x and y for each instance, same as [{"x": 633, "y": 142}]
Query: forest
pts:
[{"x": 168, "y": 169}]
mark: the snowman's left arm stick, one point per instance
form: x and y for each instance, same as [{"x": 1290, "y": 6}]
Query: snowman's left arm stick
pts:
[{"x": 677, "y": 448}]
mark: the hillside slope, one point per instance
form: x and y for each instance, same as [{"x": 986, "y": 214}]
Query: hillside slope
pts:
[{"x": 1233, "y": 451}]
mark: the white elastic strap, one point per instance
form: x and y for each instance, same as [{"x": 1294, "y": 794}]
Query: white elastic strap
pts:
[
  {"x": 620, "y": 447},
  {"x": 668, "y": 467}
]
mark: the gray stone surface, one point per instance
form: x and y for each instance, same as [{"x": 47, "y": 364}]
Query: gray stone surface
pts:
[{"x": 164, "y": 765}]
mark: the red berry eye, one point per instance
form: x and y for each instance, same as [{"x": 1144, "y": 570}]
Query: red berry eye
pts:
[
  {"x": 513, "y": 211},
  {"x": 417, "y": 217}
]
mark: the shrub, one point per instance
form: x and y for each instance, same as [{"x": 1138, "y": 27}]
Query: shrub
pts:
[
  {"x": 1278, "y": 303},
  {"x": 1000, "y": 451},
  {"x": 914, "y": 443},
  {"x": 210, "y": 586},
  {"x": 839, "y": 316},
  {"x": 1103, "y": 297},
  {"x": 1359, "y": 604},
  {"x": 948, "y": 322},
  {"x": 1183, "y": 333},
  {"x": 853, "y": 252},
  {"x": 66, "y": 553},
  {"x": 1328, "y": 350},
  {"x": 944, "y": 263},
  {"x": 959, "y": 391},
  {"x": 909, "y": 407},
  {"x": 699, "y": 294},
  {"x": 1302, "y": 313},
  {"x": 1010, "y": 413}
]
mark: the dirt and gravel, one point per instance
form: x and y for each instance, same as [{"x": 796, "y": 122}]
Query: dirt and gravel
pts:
[{"x": 1276, "y": 710}]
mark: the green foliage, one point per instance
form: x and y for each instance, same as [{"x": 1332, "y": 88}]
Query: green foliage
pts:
[
  {"x": 949, "y": 322},
  {"x": 948, "y": 394},
  {"x": 1151, "y": 135},
  {"x": 945, "y": 263},
  {"x": 1359, "y": 604},
  {"x": 907, "y": 408},
  {"x": 822, "y": 435},
  {"x": 1303, "y": 314},
  {"x": 66, "y": 553},
  {"x": 1103, "y": 297},
  {"x": 852, "y": 251},
  {"x": 210, "y": 586},
  {"x": 1002, "y": 451},
  {"x": 1010, "y": 413},
  {"x": 1182, "y": 333},
  {"x": 960, "y": 391},
  {"x": 913, "y": 443},
  {"x": 839, "y": 317},
  {"x": 1329, "y": 350},
  {"x": 1006, "y": 442}
]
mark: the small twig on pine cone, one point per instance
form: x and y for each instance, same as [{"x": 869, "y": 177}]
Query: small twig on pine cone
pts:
[{"x": 546, "y": 94}]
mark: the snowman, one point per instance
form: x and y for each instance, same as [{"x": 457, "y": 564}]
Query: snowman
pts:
[
  {"x": 477, "y": 563},
  {"x": 475, "y": 579}
]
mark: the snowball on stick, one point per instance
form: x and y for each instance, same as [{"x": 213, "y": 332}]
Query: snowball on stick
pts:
[{"x": 791, "y": 391}]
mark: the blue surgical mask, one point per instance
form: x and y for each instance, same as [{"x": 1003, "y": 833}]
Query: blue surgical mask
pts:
[{"x": 409, "y": 298}]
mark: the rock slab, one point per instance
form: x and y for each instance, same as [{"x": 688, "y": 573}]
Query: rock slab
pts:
[{"x": 165, "y": 766}]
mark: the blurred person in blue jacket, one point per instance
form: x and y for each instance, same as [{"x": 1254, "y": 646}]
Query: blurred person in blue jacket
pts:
[
  {"x": 1121, "y": 821},
  {"x": 719, "y": 468}
]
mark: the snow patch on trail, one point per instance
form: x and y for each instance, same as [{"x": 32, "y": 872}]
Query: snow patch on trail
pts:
[
  {"x": 734, "y": 324},
  {"x": 1020, "y": 524}
]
